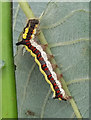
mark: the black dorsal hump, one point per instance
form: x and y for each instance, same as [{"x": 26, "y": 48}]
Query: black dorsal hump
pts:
[{"x": 32, "y": 23}]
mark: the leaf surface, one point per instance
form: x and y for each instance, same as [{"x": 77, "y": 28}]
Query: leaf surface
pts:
[{"x": 66, "y": 29}]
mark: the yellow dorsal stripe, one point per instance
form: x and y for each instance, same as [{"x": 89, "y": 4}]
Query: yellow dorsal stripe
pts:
[{"x": 25, "y": 32}]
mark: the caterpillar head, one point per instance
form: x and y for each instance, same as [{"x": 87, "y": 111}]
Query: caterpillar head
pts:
[{"x": 33, "y": 21}]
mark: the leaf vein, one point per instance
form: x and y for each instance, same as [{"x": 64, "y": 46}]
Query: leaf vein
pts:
[
  {"x": 51, "y": 45},
  {"x": 64, "y": 19}
]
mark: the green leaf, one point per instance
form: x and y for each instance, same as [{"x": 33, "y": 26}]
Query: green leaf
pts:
[{"x": 66, "y": 29}]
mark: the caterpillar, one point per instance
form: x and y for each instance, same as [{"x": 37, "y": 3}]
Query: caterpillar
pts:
[{"x": 41, "y": 58}]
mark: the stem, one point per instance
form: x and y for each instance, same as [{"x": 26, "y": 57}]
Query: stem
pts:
[
  {"x": 9, "y": 107},
  {"x": 0, "y": 59},
  {"x": 48, "y": 51},
  {"x": 26, "y": 9}
]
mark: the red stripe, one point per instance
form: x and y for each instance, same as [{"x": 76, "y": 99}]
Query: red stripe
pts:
[
  {"x": 40, "y": 58},
  {"x": 49, "y": 75},
  {"x": 52, "y": 79},
  {"x": 58, "y": 91},
  {"x": 26, "y": 40},
  {"x": 38, "y": 55},
  {"x": 60, "y": 96},
  {"x": 30, "y": 45},
  {"x": 44, "y": 65},
  {"x": 34, "y": 49},
  {"x": 54, "y": 84},
  {"x": 46, "y": 69},
  {"x": 37, "y": 51},
  {"x": 56, "y": 87}
]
